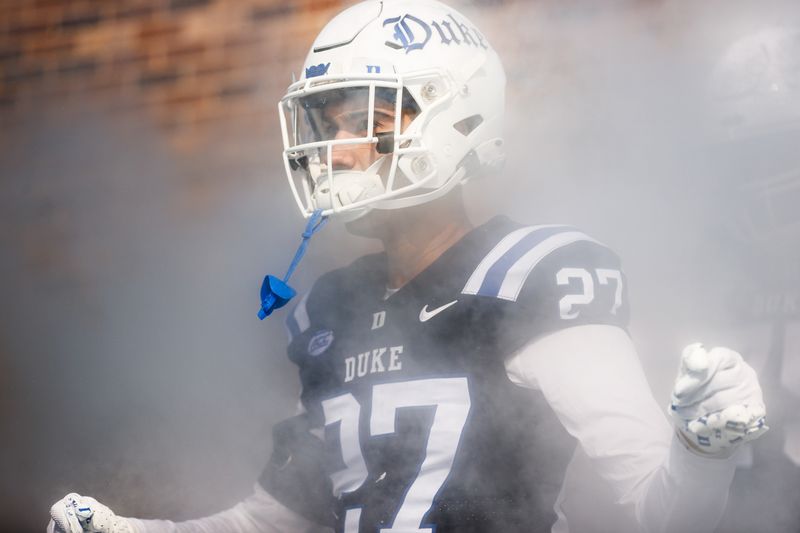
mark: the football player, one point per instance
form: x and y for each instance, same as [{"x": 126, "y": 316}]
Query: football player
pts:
[
  {"x": 756, "y": 95},
  {"x": 447, "y": 380}
]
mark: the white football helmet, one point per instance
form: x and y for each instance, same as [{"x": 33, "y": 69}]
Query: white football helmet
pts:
[
  {"x": 756, "y": 99},
  {"x": 415, "y": 84}
]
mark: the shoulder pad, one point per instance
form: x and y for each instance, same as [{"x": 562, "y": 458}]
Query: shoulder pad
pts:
[
  {"x": 298, "y": 321},
  {"x": 503, "y": 271}
]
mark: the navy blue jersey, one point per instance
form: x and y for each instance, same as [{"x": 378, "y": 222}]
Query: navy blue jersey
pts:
[{"x": 421, "y": 428}]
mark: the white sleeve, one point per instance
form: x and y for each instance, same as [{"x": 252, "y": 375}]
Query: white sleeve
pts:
[
  {"x": 592, "y": 378},
  {"x": 258, "y": 513}
]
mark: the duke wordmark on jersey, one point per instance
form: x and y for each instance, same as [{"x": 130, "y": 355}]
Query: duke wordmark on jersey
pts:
[{"x": 372, "y": 362}]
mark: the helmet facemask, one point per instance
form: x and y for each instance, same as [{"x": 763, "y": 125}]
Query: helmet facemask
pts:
[{"x": 344, "y": 140}]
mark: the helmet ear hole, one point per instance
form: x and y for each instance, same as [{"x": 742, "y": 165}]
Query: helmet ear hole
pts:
[{"x": 468, "y": 125}]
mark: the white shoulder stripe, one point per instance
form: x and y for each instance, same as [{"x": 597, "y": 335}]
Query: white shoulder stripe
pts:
[
  {"x": 519, "y": 271},
  {"x": 301, "y": 314},
  {"x": 298, "y": 321},
  {"x": 476, "y": 279}
]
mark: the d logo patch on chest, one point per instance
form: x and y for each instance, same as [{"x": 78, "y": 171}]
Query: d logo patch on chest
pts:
[
  {"x": 378, "y": 319},
  {"x": 320, "y": 342}
]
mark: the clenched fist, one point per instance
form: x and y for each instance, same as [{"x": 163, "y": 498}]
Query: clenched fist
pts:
[
  {"x": 716, "y": 401},
  {"x": 76, "y": 514}
]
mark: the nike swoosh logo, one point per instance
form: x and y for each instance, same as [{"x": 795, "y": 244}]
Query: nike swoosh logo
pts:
[{"x": 425, "y": 315}]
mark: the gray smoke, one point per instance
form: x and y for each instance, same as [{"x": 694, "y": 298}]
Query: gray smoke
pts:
[
  {"x": 133, "y": 367},
  {"x": 613, "y": 131}
]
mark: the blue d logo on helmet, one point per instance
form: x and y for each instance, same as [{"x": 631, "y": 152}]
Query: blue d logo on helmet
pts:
[
  {"x": 406, "y": 39},
  {"x": 405, "y": 36}
]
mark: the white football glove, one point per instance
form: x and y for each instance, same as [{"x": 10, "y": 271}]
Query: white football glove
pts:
[
  {"x": 716, "y": 401},
  {"x": 77, "y": 514}
]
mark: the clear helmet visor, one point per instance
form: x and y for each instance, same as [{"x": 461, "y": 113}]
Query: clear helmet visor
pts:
[{"x": 338, "y": 114}]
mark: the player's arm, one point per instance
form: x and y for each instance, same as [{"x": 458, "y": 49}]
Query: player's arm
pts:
[
  {"x": 586, "y": 366},
  {"x": 258, "y": 513},
  {"x": 290, "y": 497},
  {"x": 592, "y": 378}
]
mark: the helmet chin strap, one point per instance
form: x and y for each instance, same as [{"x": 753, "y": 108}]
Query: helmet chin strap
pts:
[
  {"x": 486, "y": 156},
  {"x": 417, "y": 199},
  {"x": 349, "y": 186},
  {"x": 364, "y": 184}
]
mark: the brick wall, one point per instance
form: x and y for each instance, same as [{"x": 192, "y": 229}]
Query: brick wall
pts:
[
  {"x": 185, "y": 63},
  {"x": 189, "y": 65}
]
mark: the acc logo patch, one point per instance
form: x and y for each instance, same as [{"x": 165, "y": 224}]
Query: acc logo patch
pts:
[{"x": 320, "y": 342}]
